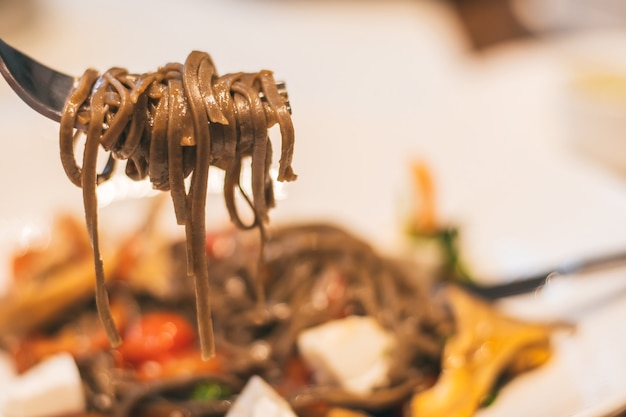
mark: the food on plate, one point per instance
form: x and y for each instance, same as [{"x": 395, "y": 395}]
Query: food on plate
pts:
[
  {"x": 434, "y": 245},
  {"x": 484, "y": 347},
  {"x": 48, "y": 279},
  {"x": 344, "y": 330},
  {"x": 52, "y": 387},
  {"x": 169, "y": 125}
]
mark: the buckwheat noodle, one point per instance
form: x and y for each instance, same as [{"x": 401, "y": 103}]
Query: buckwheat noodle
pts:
[{"x": 169, "y": 125}]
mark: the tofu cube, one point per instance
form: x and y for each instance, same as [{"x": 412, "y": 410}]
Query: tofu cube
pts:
[
  {"x": 7, "y": 376},
  {"x": 50, "y": 388},
  {"x": 354, "y": 352},
  {"x": 258, "y": 399}
]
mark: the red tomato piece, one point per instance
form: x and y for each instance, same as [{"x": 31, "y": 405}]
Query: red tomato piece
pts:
[{"x": 155, "y": 335}]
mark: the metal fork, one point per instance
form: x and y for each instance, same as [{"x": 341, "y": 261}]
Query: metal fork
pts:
[
  {"x": 44, "y": 89},
  {"x": 529, "y": 283},
  {"x": 41, "y": 87}
]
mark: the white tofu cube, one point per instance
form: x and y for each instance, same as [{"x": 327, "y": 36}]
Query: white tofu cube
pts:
[
  {"x": 7, "y": 376},
  {"x": 50, "y": 388},
  {"x": 354, "y": 352},
  {"x": 258, "y": 399}
]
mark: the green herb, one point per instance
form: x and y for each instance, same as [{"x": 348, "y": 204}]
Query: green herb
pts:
[
  {"x": 489, "y": 398},
  {"x": 447, "y": 240},
  {"x": 495, "y": 390},
  {"x": 211, "y": 391}
]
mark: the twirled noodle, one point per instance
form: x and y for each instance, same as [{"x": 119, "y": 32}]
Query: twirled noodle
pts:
[{"x": 169, "y": 125}]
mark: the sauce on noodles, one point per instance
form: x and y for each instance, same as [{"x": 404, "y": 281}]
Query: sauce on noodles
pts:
[{"x": 169, "y": 126}]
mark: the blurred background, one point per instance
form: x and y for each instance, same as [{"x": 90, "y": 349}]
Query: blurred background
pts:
[
  {"x": 518, "y": 107},
  {"x": 515, "y": 106}
]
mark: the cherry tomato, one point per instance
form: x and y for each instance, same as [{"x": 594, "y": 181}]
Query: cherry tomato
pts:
[{"x": 155, "y": 335}]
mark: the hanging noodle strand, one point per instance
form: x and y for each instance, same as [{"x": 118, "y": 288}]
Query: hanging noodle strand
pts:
[{"x": 170, "y": 125}]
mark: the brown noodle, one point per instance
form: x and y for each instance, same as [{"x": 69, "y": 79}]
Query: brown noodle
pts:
[{"x": 169, "y": 125}]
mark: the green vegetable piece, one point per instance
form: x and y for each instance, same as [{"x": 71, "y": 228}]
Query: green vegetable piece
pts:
[{"x": 211, "y": 391}]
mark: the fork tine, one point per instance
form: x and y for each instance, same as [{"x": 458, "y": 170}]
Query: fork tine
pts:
[{"x": 42, "y": 88}]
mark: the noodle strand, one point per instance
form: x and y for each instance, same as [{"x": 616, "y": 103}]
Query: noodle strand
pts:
[{"x": 169, "y": 125}]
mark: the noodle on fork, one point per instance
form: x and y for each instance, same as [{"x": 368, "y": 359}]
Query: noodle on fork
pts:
[{"x": 170, "y": 125}]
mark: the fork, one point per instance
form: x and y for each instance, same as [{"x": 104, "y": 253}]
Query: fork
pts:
[
  {"x": 45, "y": 89},
  {"x": 532, "y": 282},
  {"x": 39, "y": 86}
]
